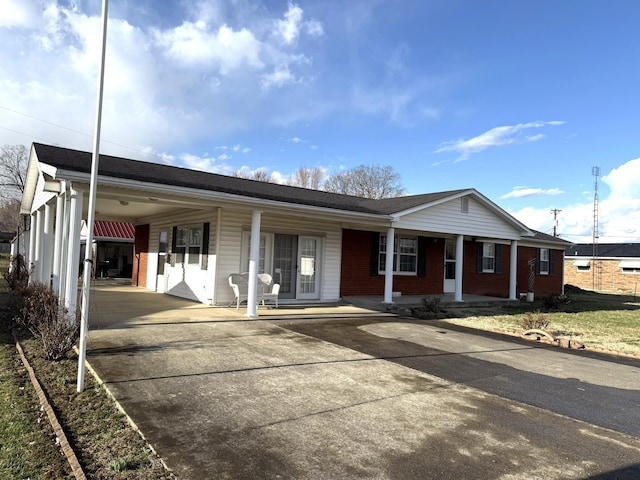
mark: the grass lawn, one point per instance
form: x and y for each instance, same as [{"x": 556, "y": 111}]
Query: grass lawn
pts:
[
  {"x": 603, "y": 320},
  {"x": 108, "y": 448},
  {"x": 106, "y": 445}
]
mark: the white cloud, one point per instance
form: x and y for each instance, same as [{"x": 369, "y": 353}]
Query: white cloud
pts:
[
  {"x": 288, "y": 29},
  {"x": 226, "y": 49},
  {"x": 19, "y": 13},
  {"x": 495, "y": 137},
  {"x": 519, "y": 192},
  {"x": 619, "y": 212},
  {"x": 296, "y": 140},
  {"x": 165, "y": 85}
]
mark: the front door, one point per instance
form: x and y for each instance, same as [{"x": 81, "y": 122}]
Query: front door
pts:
[
  {"x": 285, "y": 254},
  {"x": 450, "y": 266},
  {"x": 308, "y": 267},
  {"x": 161, "y": 279}
]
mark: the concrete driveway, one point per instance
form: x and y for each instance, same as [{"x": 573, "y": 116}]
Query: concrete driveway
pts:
[{"x": 342, "y": 392}]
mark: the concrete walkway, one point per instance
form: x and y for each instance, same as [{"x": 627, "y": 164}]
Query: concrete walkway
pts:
[{"x": 305, "y": 393}]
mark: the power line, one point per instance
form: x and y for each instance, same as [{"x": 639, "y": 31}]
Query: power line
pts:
[{"x": 128, "y": 147}]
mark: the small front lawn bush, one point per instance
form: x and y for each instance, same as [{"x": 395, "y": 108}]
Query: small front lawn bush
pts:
[
  {"x": 47, "y": 320},
  {"x": 534, "y": 321}
]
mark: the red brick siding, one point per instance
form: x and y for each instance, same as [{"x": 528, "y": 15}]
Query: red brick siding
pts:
[
  {"x": 544, "y": 284},
  {"x": 479, "y": 283},
  {"x": 355, "y": 277},
  {"x": 140, "y": 256}
]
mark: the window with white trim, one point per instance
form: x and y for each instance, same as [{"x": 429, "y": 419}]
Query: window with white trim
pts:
[
  {"x": 544, "y": 261},
  {"x": 264, "y": 255},
  {"x": 405, "y": 255},
  {"x": 632, "y": 267},
  {"x": 488, "y": 257},
  {"x": 188, "y": 244}
]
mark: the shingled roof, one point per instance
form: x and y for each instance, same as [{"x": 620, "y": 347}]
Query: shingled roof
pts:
[
  {"x": 116, "y": 167},
  {"x": 614, "y": 250}
]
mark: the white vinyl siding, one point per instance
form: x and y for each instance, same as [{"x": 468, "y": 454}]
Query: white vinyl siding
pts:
[
  {"x": 447, "y": 218},
  {"x": 198, "y": 284},
  {"x": 237, "y": 222}
]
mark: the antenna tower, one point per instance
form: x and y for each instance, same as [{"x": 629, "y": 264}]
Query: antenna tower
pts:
[{"x": 597, "y": 267}]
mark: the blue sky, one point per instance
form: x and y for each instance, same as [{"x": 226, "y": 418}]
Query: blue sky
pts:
[{"x": 516, "y": 99}]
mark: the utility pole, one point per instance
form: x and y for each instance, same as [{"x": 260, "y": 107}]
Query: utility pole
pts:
[
  {"x": 555, "y": 212},
  {"x": 597, "y": 272}
]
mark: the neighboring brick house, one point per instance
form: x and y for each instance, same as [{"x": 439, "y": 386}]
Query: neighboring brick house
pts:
[{"x": 617, "y": 268}]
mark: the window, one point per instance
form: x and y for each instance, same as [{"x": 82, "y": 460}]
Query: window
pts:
[
  {"x": 544, "y": 261},
  {"x": 582, "y": 265},
  {"x": 264, "y": 253},
  {"x": 188, "y": 244},
  {"x": 405, "y": 255},
  {"x": 630, "y": 266},
  {"x": 488, "y": 257},
  {"x": 464, "y": 204}
]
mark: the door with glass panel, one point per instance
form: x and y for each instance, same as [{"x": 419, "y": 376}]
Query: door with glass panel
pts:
[
  {"x": 285, "y": 254},
  {"x": 449, "y": 266},
  {"x": 161, "y": 279},
  {"x": 308, "y": 267}
]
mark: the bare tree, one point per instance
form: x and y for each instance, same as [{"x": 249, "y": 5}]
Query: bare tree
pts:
[
  {"x": 13, "y": 170},
  {"x": 9, "y": 215},
  {"x": 366, "y": 181},
  {"x": 307, "y": 178},
  {"x": 260, "y": 175}
]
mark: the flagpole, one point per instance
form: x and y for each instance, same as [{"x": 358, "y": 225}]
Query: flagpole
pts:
[{"x": 91, "y": 216}]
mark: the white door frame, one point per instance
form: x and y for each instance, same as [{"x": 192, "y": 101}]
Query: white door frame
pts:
[
  {"x": 309, "y": 265},
  {"x": 449, "y": 258}
]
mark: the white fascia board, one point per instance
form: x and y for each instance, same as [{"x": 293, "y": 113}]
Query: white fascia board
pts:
[
  {"x": 531, "y": 242},
  {"x": 157, "y": 190},
  {"x": 30, "y": 184}
]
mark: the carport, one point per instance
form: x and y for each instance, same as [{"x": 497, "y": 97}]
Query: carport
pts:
[{"x": 339, "y": 392}]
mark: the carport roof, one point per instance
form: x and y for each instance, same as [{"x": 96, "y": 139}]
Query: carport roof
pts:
[{"x": 116, "y": 167}]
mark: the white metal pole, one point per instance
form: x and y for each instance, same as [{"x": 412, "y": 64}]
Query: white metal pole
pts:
[
  {"x": 88, "y": 261},
  {"x": 57, "y": 244}
]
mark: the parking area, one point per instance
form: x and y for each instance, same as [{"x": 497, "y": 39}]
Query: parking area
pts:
[{"x": 318, "y": 392}]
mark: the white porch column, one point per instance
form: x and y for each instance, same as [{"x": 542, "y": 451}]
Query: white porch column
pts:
[
  {"x": 31, "y": 253},
  {"x": 73, "y": 255},
  {"x": 57, "y": 244},
  {"x": 37, "y": 254},
  {"x": 513, "y": 270},
  {"x": 64, "y": 247},
  {"x": 457, "y": 297},
  {"x": 254, "y": 258},
  {"x": 388, "y": 266},
  {"x": 47, "y": 244}
]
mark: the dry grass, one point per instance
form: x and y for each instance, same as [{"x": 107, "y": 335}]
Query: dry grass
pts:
[
  {"x": 607, "y": 321},
  {"x": 106, "y": 445}
]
